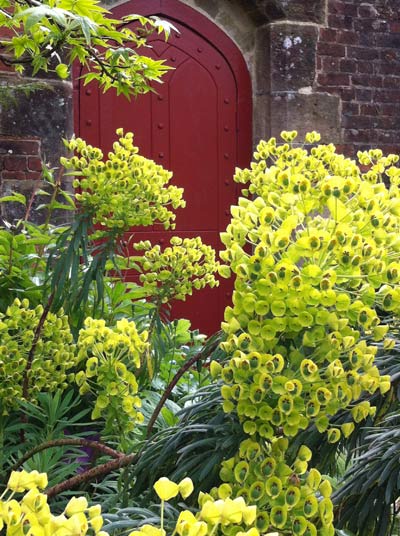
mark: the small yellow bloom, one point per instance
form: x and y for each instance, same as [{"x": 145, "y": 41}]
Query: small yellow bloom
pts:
[
  {"x": 149, "y": 530},
  {"x": 94, "y": 511},
  {"x": 212, "y": 511},
  {"x": 76, "y": 524},
  {"x": 185, "y": 517},
  {"x": 166, "y": 489},
  {"x": 33, "y": 501},
  {"x": 22, "y": 480},
  {"x": 233, "y": 510},
  {"x": 75, "y": 506},
  {"x": 186, "y": 487},
  {"x": 249, "y": 514},
  {"x": 251, "y": 532},
  {"x": 96, "y": 523}
]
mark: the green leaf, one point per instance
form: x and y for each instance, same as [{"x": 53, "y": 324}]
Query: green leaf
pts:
[{"x": 16, "y": 197}]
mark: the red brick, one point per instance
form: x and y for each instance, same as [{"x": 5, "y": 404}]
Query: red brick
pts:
[
  {"x": 335, "y": 6},
  {"x": 387, "y": 136},
  {"x": 388, "y": 69},
  {"x": 346, "y": 149},
  {"x": 330, "y": 64},
  {"x": 370, "y": 25},
  {"x": 394, "y": 27},
  {"x": 358, "y": 122},
  {"x": 331, "y": 49},
  {"x": 4, "y": 68},
  {"x": 350, "y": 108},
  {"x": 348, "y": 66},
  {"x": 367, "y": 39},
  {"x": 34, "y": 175},
  {"x": 347, "y": 38},
  {"x": 15, "y": 163},
  {"x": 391, "y": 149},
  {"x": 387, "y": 95},
  {"x": 387, "y": 122},
  {"x": 13, "y": 175},
  {"x": 334, "y": 79},
  {"x": 347, "y": 94},
  {"x": 366, "y": 80},
  {"x": 364, "y": 95},
  {"x": 357, "y": 135},
  {"x": 20, "y": 146},
  {"x": 35, "y": 163},
  {"x": 389, "y": 55},
  {"x": 340, "y": 22},
  {"x": 6, "y": 32},
  {"x": 340, "y": 8},
  {"x": 365, "y": 67},
  {"x": 391, "y": 82},
  {"x": 389, "y": 109},
  {"x": 328, "y": 35},
  {"x": 362, "y": 53},
  {"x": 388, "y": 40},
  {"x": 369, "y": 109}
]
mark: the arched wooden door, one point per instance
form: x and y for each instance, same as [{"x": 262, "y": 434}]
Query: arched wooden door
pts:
[{"x": 197, "y": 124}]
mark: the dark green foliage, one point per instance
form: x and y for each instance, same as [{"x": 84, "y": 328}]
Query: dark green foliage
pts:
[
  {"x": 195, "y": 446},
  {"x": 367, "y": 492}
]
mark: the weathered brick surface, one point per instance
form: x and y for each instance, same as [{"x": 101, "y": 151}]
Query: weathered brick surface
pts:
[
  {"x": 20, "y": 158},
  {"x": 358, "y": 59}
]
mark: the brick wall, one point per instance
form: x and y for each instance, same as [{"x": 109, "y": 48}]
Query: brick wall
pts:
[
  {"x": 20, "y": 171},
  {"x": 20, "y": 159},
  {"x": 358, "y": 59}
]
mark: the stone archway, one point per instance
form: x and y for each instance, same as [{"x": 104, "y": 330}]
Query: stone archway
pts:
[{"x": 278, "y": 39}]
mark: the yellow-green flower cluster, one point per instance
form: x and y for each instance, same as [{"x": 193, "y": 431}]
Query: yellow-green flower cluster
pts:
[
  {"x": 314, "y": 251},
  {"x": 31, "y": 515},
  {"x": 174, "y": 272},
  {"x": 289, "y": 498},
  {"x": 53, "y": 357},
  {"x": 125, "y": 191},
  {"x": 111, "y": 354},
  {"x": 215, "y": 516}
]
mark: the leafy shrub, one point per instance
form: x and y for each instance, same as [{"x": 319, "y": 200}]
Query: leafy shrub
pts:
[{"x": 313, "y": 245}]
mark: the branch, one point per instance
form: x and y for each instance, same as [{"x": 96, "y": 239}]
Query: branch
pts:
[
  {"x": 90, "y": 474},
  {"x": 95, "y": 445},
  {"x": 184, "y": 368},
  {"x": 38, "y": 331}
]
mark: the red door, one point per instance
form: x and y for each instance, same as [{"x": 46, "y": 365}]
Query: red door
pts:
[{"x": 197, "y": 124}]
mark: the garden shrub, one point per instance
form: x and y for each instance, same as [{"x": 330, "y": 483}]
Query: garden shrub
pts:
[
  {"x": 111, "y": 357},
  {"x": 313, "y": 245},
  {"x": 125, "y": 191},
  {"x": 49, "y": 367}
]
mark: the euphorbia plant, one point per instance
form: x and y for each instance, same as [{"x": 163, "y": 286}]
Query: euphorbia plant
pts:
[
  {"x": 313, "y": 245},
  {"x": 31, "y": 515}
]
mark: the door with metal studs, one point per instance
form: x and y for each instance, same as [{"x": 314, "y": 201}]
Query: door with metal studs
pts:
[{"x": 197, "y": 124}]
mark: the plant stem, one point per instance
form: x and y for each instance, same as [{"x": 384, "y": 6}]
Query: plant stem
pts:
[
  {"x": 205, "y": 352},
  {"x": 90, "y": 474},
  {"x": 162, "y": 515},
  {"x": 95, "y": 445},
  {"x": 38, "y": 331}
]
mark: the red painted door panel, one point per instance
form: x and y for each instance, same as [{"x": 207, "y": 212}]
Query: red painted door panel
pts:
[{"x": 197, "y": 124}]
